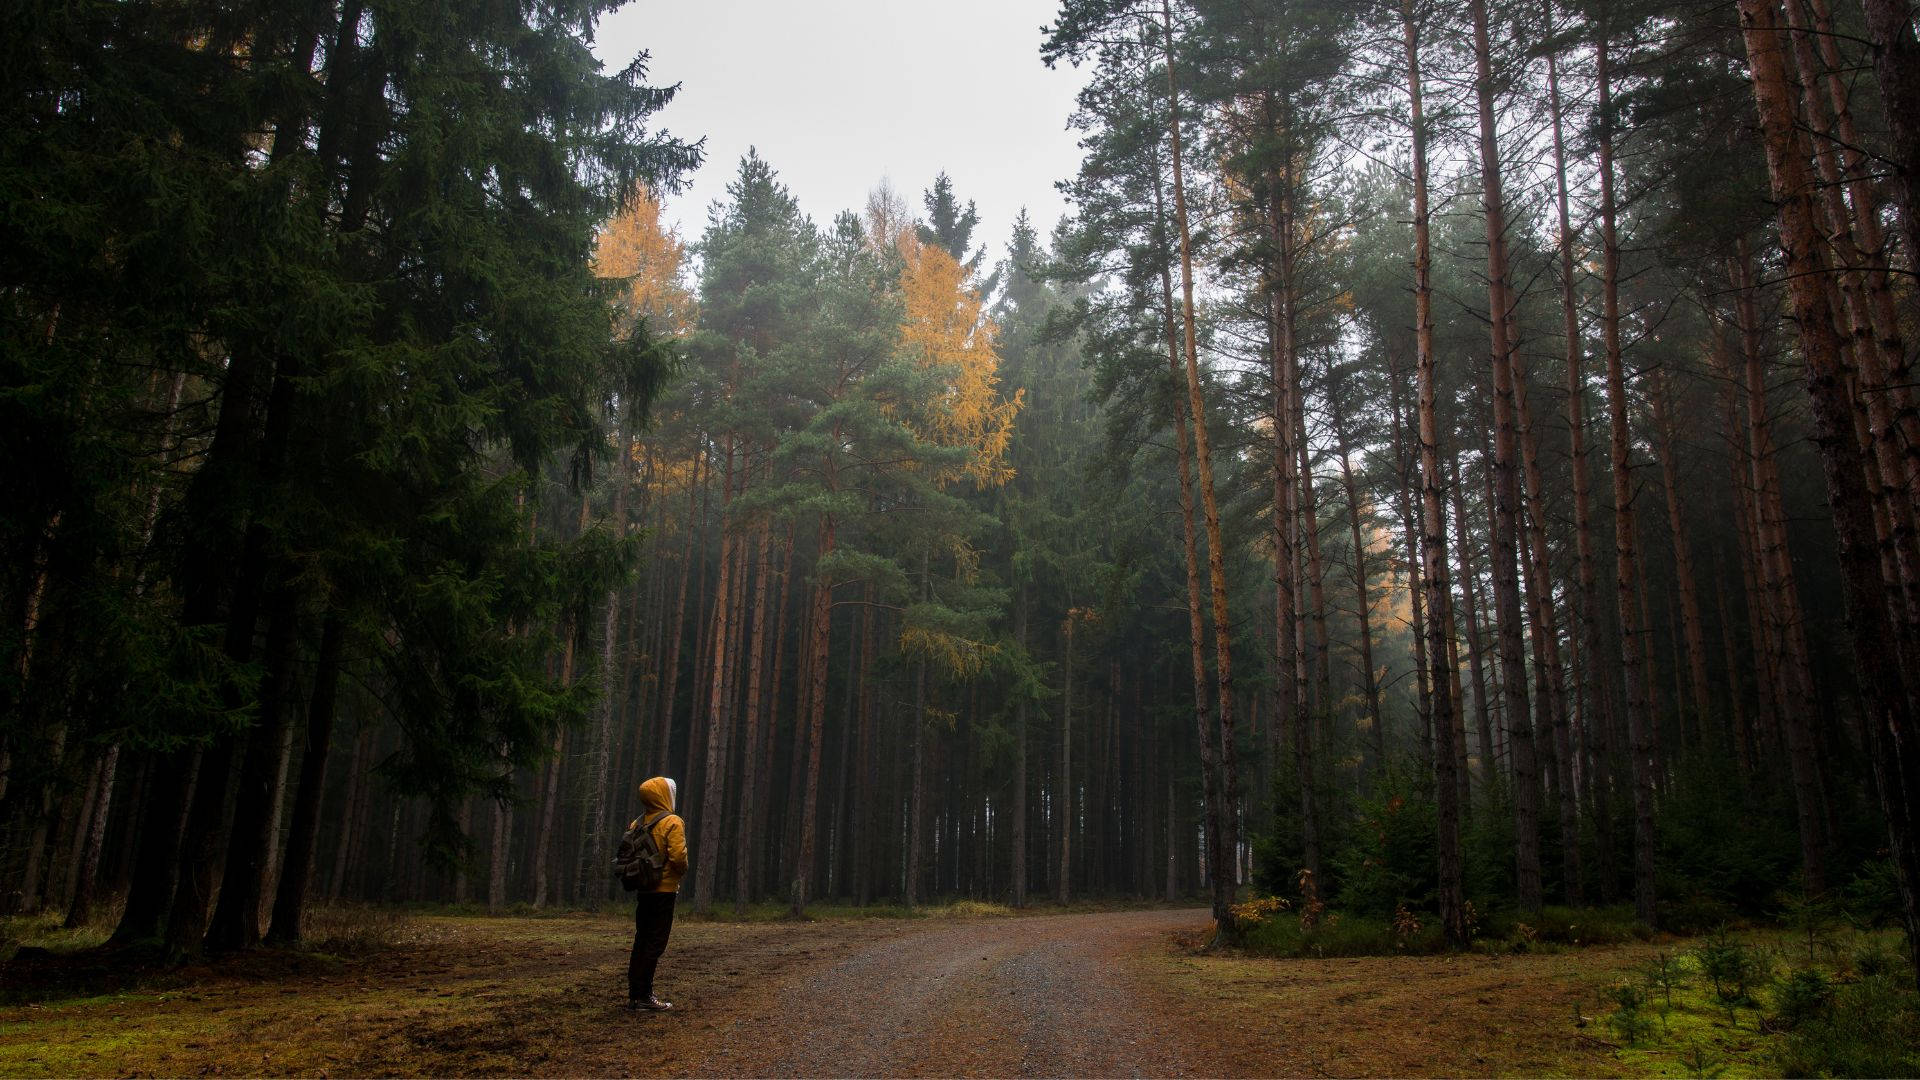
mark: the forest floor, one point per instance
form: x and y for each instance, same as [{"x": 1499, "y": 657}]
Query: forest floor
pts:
[{"x": 1115, "y": 993}]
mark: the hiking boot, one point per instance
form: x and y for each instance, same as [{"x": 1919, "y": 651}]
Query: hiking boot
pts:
[{"x": 648, "y": 1004}]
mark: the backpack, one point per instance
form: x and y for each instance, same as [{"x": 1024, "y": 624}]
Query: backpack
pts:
[{"x": 640, "y": 864}]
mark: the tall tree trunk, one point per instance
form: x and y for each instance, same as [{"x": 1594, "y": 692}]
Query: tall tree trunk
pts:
[
  {"x": 93, "y": 841},
  {"x": 1407, "y": 466},
  {"x": 1503, "y": 552},
  {"x": 1433, "y": 529},
  {"x": 1880, "y": 654},
  {"x": 1362, "y": 588},
  {"x": 866, "y": 797},
  {"x": 1019, "y": 860},
  {"x": 1682, "y": 550},
  {"x": 1321, "y": 697},
  {"x": 822, "y": 634},
  {"x": 352, "y": 809},
  {"x": 236, "y": 917},
  {"x": 663, "y": 755},
  {"x": 751, "y": 778},
  {"x": 1196, "y": 624},
  {"x": 1064, "y": 791},
  {"x": 593, "y": 881},
  {"x": 709, "y": 835},
  {"x": 1896, "y": 65},
  {"x": 1470, "y": 603},
  {"x": 1222, "y": 839},
  {"x": 1596, "y": 681},
  {"x": 1791, "y": 657},
  {"x": 550, "y": 797},
  {"x": 1873, "y": 248},
  {"x": 1626, "y": 561},
  {"x": 290, "y": 895}
]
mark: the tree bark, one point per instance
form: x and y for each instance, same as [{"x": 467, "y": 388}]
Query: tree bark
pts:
[
  {"x": 1222, "y": 838},
  {"x": 290, "y": 895},
  {"x": 1880, "y": 655},
  {"x": 1196, "y": 624},
  {"x": 1503, "y": 552},
  {"x": 1433, "y": 531},
  {"x": 1626, "y": 561},
  {"x": 822, "y": 633}
]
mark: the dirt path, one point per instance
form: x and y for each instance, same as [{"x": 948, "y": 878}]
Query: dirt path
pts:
[
  {"x": 1107, "y": 994},
  {"x": 1044, "y": 996}
]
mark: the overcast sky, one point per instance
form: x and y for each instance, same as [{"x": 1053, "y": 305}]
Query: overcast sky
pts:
[{"x": 837, "y": 94}]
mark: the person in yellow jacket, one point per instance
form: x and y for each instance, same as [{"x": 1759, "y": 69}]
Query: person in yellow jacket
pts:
[{"x": 653, "y": 917}]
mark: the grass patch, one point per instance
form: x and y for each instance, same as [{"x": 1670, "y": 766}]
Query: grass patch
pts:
[
  {"x": 1560, "y": 925},
  {"x": 44, "y": 931},
  {"x": 1765, "y": 1004},
  {"x": 353, "y": 930}
]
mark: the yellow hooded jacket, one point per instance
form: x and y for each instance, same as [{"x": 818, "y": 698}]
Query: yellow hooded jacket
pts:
[{"x": 669, "y": 832}]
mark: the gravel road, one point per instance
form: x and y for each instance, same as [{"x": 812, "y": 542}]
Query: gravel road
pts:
[{"x": 1042, "y": 996}]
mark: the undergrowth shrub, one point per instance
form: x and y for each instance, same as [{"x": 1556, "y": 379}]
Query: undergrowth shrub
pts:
[
  {"x": 1870, "y": 1028},
  {"x": 1802, "y": 996},
  {"x": 1341, "y": 935},
  {"x": 1729, "y": 965},
  {"x": 1629, "y": 1019}
]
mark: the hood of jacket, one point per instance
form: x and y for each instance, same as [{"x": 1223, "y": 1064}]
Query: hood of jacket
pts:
[{"x": 658, "y": 795}]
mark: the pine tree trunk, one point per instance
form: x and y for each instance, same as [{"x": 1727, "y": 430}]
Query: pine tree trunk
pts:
[
  {"x": 751, "y": 778},
  {"x": 550, "y": 796},
  {"x": 1550, "y": 689},
  {"x": 1290, "y": 676},
  {"x": 708, "y": 833},
  {"x": 1416, "y": 589},
  {"x": 1682, "y": 551},
  {"x": 822, "y": 634},
  {"x": 1363, "y": 589},
  {"x": 290, "y": 894},
  {"x": 1020, "y": 737},
  {"x": 593, "y": 881},
  {"x": 1196, "y": 625},
  {"x": 1222, "y": 840},
  {"x": 663, "y": 755},
  {"x": 1503, "y": 552},
  {"x": 864, "y": 800},
  {"x": 87, "y": 872},
  {"x": 1792, "y": 662},
  {"x": 1321, "y": 697},
  {"x": 1064, "y": 796},
  {"x": 1896, "y": 64},
  {"x": 497, "y": 868},
  {"x": 757, "y": 825},
  {"x": 1594, "y": 686},
  {"x": 1626, "y": 562},
  {"x": 1470, "y": 604},
  {"x": 1881, "y": 656},
  {"x": 1433, "y": 531},
  {"x": 236, "y": 917},
  {"x": 351, "y": 809},
  {"x": 1860, "y": 177}
]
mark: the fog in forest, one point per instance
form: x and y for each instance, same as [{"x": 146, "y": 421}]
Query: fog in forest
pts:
[{"x": 1263, "y": 481}]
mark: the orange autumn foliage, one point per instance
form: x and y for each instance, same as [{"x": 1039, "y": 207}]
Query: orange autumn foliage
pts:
[
  {"x": 946, "y": 330},
  {"x": 634, "y": 246}
]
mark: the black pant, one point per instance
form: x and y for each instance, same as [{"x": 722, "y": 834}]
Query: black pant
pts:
[{"x": 652, "y": 922}]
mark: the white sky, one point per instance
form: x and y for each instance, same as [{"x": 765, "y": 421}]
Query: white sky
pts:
[{"x": 838, "y": 94}]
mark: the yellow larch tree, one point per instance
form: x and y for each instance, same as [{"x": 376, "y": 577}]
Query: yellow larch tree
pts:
[
  {"x": 649, "y": 257},
  {"x": 945, "y": 330}
]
